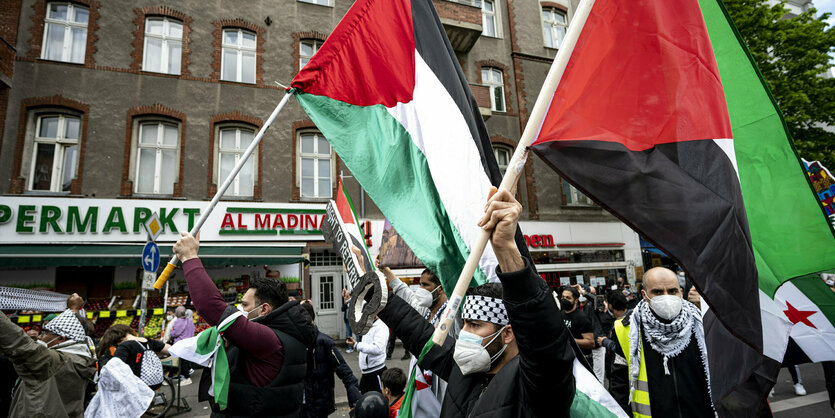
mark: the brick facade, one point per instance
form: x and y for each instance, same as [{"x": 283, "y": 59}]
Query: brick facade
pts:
[
  {"x": 152, "y": 110},
  {"x": 139, "y": 35},
  {"x": 460, "y": 12},
  {"x": 238, "y": 117},
  {"x": 18, "y": 180}
]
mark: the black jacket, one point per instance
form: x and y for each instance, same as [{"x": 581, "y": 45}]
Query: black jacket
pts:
[
  {"x": 683, "y": 393},
  {"x": 283, "y": 396},
  {"x": 537, "y": 382},
  {"x": 322, "y": 362}
]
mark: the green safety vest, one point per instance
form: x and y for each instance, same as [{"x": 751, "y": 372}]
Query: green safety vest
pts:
[{"x": 640, "y": 396}]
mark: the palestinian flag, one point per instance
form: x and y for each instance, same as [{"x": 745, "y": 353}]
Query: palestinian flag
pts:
[
  {"x": 388, "y": 93},
  {"x": 662, "y": 117},
  {"x": 345, "y": 206}
]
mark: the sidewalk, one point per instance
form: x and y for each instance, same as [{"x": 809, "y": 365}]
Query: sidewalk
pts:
[{"x": 201, "y": 409}]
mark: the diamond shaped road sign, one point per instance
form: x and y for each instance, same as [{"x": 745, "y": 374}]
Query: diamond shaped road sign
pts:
[{"x": 153, "y": 226}]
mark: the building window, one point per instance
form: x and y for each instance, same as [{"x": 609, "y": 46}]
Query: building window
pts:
[
  {"x": 319, "y": 2},
  {"x": 55, "y": 154},
  {"x": 326, "y": 301},
  {"x": 503, "y": 154},
  {"x": 307, "y": 48},
  {"x": 163, "y": 45},
  {"x": 316, "y": 162},
  {"x": 494, "y": 78},
  {"x": 574, "y": 197},
  {"x": 238, "y": 54},
  {"x": 65, "y": 32},
  {"x": 489, "y": 23},
  {"x": 156, "y": 157},
  {"x": 233, "y": 141},
  {"x": 554, "y": 22}
]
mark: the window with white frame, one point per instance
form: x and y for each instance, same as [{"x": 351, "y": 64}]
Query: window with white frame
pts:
[
  {"x": 55, "y": 152},
  {"x": 308, "y": 48},
  {"x": 319, "y": 2},
  {"x": 65, "y": 32},
  {"x": 157, "y": 149},
  {"x": 232, "y": 143},
  {"x": 489, "y": 22},
  {"x": 503, "y": 154},
  {"x": 315, "y": 166},
  {"x": 238, "y": 54},
  {"x": 494, "y": 79},
  {"x": 574, "y": 197},
  {"x": 554, "y": 22},
  {"x": 163, "y": 45}
]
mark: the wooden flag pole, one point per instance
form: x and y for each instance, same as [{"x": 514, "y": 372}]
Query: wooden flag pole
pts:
[
  {"x": 172, "y": 264},
  {"x": 517, "y": 163}
]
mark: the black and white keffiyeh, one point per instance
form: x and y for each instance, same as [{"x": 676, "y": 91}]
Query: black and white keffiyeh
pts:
[
  {"x": 669, "y": 340},
  {"x": 485, "y": 308},
  {"x": 68, "y": 326}
]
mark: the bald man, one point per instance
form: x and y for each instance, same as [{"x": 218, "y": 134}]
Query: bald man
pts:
[{"x": 660, "y": 356}]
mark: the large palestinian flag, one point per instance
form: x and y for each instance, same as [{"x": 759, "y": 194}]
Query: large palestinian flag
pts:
[
  {"x": 388, "y": 93},
  {"x": 662, "y": 118}
]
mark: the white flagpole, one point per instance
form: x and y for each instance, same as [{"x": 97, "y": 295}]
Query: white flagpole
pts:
[
  {"x": 172, "y": 264},
  {"x": 517, "y": 162}
]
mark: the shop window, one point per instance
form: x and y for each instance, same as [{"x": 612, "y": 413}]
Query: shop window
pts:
[
  {"x": 577, "y": 256},
  {"x": 489, "y": 19},
  {"x": 157, "y": 157},
  {"x": 326, "y": 284},
  {"x": 325, "y": 258},
  {"x": 574, "y": 197},
  {"x": 308, "y": 48},
  {"x": 494, "y": 79},
  {"x": 163, "y": 45},
  {"x": 65, "y": 32},
  {"x": 238, "y": 55},
  {"x": 554, "y": 24},
  {"x": 55, "y": 152},
  {"x": 315, "y": 166},
  {"x": 231, "y": 144}
]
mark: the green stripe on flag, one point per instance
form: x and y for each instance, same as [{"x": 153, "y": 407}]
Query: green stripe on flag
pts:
[
  {"x": 789, "y": 234},
  {"x": 583, "y": 406},
  {"x": 394, "y": 172}
]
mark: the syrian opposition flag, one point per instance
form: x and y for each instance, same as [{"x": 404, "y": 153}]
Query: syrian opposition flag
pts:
[
  {"x": 388, "y": 93},
  {"x": 661, "y": 116}
]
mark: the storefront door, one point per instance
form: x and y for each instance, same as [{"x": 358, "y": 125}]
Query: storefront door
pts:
[{"x": 326, "y": 288}]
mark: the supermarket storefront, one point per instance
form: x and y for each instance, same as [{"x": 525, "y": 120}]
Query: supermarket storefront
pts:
[{"x": 93, "y": 246}]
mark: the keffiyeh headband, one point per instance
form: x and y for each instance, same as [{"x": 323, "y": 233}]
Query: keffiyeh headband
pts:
[
  {"x": 68, "y": 326},
  {"x": 485, "y": 308}
]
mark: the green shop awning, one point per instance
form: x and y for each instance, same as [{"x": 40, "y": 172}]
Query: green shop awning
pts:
[{"x": 130, "y": 255}]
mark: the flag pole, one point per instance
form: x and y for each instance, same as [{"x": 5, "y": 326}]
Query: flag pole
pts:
[
  {"x": 172, "y": 263},
  {"x": 517, "y": 162}
]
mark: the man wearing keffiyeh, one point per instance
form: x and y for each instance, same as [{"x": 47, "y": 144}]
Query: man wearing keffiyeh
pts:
[
  {"x": 54, "y": 371},
  {"x": 660, "y": 356}
]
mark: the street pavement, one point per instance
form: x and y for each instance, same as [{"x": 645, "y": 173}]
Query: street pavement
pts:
[
  {"x": 784, "y": 403},
  {"x": 201, "y": 409}
]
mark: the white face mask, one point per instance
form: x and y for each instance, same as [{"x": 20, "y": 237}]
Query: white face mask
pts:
[
  {"x": 246, "y": 313},
  {"x": 470, "y": 356},
  {"x": 666, "y": 306}
]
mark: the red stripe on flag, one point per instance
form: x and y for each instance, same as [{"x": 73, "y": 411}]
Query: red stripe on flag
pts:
[
  {"x": 642, "y": 73},
  {"x": 344, "y": 207},
  {"x": 369, "y": 58}
]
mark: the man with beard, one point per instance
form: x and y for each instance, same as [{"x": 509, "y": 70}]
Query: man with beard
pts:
[
  {"x": 662, "y": 341},
  {"x": 512, "y": 357}
]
